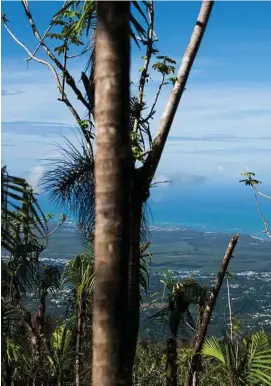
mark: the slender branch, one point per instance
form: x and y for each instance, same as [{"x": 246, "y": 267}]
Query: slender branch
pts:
[
  {"x": 32, "y": 55},
  {"x": 64, "y": 65},
  {"x": 151, "y": 113},
  {"x": 230, "y": 310},
  {"x": 202, "y": 329},
  {"x": 144, "y": 73},
  {"x": 79, "y": 54},
  {"x": 266, "y": 224},
  {"x": 260, "y": 193},
  {"x": 161, "y": 182},
  {"x": 39, "y": 45},
  {"x": 69, "y": 79},
  {"x": 51, "y": 67},
  {"x": 53, "y": 231},
  {"x": 153, "y": 159}
]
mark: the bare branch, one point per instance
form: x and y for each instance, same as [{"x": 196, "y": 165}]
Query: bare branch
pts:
[
  {"x": 79, "y": 54},
  {"x": 266, "y": 224},
  {"x": 69, "y": 79},
  {"x": 178, "y": 89},
  {"x": 202, "y": 328},
  {"x": 260, "y": 193},
  {"x": 53, "y": 231},
  {"x": 32, "y": 56},
  {"x": 60, "y": 86},
  {"x": 161, "y": 182},
  {"x": 44, "y": 36},
  {"x": 151, "y": 113},
  {"x": 144, "y": 73}
]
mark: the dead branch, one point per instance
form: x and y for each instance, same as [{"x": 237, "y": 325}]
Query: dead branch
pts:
[
  {"x": 32, "y": 56},
  {"x": 152, "y": 111},
  {"x": 69, "y": 79},
  {"x": 202, "y": 328},
  {"x": 264, "y": 220},
  {"x": 144, "y": 73},
  {"x": 60, "y": 86},
  {"x": 260, "y": 193},
  {"x": 178, "y": 89}
]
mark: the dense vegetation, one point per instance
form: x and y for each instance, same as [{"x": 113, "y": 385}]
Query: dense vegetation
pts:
[{"x": 95, "y": 341}]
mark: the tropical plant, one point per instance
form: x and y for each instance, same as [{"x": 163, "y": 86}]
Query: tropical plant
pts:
[
  {"x": 181, "y": 295},
  {"x": 150, "y": 363},
  {"x": 243, "y": 361},
  {"x": 21, "y": 216},
  {"x": 79, "y": 273},
  {"x": 61, "y": 350},
  {"x": 251, "y": 181}
]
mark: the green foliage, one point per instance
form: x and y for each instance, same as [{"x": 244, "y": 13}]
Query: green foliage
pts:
[
  {"x": 80, "y": 273},
  {"x": 71, "y": 24},
  {"x": 21, "y": 216},
  {"x": 244, "y": 362},
  {"x": 249, "y": 180},
  {"x": 137, "y": 149},
  {"x": 180, "y": 296},
  {"x": 150, "y": 364},
  {"x": 61, "y": 350},
  {"x": 165, "y": 65},
  {"x": 4, "y": 18}
]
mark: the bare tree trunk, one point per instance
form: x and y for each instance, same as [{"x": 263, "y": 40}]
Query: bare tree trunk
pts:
[
  {"x": 178, "y": 89},
  {"x": 230, "y": 310},
  {"x": 133, "y": 312},
  {"x": 113, "y": 168},
  {"x": 172, "y": 367},
  {"x": 78, "y": 344},
  {"x": 202, "y": 329}
]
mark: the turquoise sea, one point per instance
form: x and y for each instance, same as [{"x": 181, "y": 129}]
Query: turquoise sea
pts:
[{"x": 208, "y": 207}]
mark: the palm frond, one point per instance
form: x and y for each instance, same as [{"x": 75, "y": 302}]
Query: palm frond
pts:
[
  {"x": 259, "y": 359},
  {"x": 20, "y": 212},
  {"x": 212, "y": 348},
  {"x": 70, "y": 182}
]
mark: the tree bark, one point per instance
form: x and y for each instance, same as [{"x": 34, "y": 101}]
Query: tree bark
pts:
[
  {"x": 78, "y": 343},
  {"x": 112, "y": 192},
  {"x": 133, "y": 312},
  {"x": 202, "y": 329},
  {"x": 178, "y": 89},
  {"x": 172, "y": 367}
]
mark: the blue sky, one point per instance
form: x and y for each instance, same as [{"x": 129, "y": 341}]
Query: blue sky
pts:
[{"x": 222, "y": 126}]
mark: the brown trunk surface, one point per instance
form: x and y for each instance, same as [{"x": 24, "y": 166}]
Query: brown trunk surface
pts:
[
  {"x": 112, "y": 193},
  {"x": 172, "y": 367}
]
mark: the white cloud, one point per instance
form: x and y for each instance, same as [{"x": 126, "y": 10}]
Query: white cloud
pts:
[
  {"x": 235, "y": 117},
  {"x": 34, "y": 177}
]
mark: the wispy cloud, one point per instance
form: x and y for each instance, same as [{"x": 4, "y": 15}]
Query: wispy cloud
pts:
[
  {"x": 218, "y": 129},
  {"x": 10, "y": 92}
]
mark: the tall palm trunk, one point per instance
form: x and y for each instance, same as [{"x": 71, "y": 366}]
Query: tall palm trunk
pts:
[{"x": 112, "y": 193}]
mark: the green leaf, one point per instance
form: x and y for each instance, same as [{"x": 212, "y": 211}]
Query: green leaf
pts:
[{"x": 213, "y": 349}]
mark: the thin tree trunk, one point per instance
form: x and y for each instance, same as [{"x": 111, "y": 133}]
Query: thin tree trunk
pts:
[
  {"x": 172, "y": 367},
  {"x": 178, "y": 89},
  {"x": 78, "y": 344},
  {"x": 202, "y": 330},
  {"x": 113, "y": 167},
  {"x": 230, "y": 310},
  {"x": 133, "y": 313}
]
